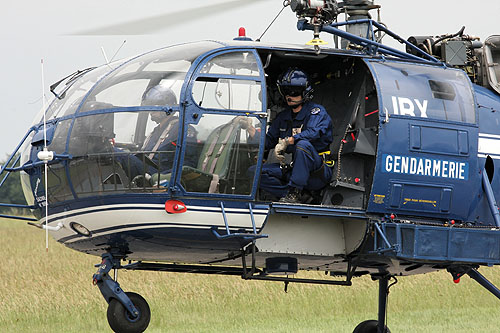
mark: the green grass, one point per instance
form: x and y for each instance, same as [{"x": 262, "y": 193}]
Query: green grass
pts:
[{"x": 53, "y": 292}]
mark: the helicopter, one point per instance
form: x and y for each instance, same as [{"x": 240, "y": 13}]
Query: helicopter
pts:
[{"x": 414, "y": 132}]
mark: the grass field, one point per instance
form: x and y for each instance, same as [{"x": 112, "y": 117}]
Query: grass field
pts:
[{"x": 53, "y": 292}]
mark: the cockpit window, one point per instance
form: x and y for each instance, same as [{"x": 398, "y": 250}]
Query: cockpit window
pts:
[
  {"x": 425, "y": 91},
  {"x": 74, "y": 95},
  {"x": 234, "y": 63},
  {"x": 116, "y": 152},
  {"x": 219, "y": 159},
  {"x": 128, "y": 85},
  {"x": 213, "y": 89},
  {"x": 227, "y": 94}
]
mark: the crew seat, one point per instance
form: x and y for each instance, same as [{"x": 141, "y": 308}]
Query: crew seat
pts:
[{"x": 214, "y": 164}]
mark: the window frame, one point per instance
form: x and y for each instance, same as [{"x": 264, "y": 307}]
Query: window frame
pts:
[
  {"x": 193, "y": 110},
  {"x": 260, "y": 79}
]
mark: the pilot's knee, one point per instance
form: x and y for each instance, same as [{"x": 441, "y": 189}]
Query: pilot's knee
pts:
[
  {"x": 251, "y": 171},
  {"x": 304, "y": 144}
]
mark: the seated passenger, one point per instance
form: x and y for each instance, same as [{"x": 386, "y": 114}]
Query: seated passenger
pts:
[
  {"x": 160, "y": 145},
  {"x": 304, "y": 129}
]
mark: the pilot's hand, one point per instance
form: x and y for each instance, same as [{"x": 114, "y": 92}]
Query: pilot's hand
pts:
[
  {"x": 244, "y": 122},
  {"x": 142, "y": 181},
  {"x": 279, "y": 150}
]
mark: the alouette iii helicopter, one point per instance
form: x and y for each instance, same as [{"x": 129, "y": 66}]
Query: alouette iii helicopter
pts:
[{"x": 415, "y": 151}]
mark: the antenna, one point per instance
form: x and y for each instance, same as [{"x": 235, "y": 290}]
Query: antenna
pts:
[
  {"x": 285, "y": 4},
  {"x": 44, "y": 106},
  {"x": 104, "y": 55},
  {"x": 46, "y": 156},
  {"x": 114, "y": 55}
]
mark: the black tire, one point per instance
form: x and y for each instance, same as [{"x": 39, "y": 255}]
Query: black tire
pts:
[
  {"x": 369, "y": 326},
  {"x": 121, "y": 321}
]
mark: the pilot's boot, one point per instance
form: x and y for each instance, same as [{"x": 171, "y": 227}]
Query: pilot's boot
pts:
[{"x": 293, "y": 196}]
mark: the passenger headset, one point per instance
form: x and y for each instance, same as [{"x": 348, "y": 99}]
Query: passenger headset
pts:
[{"x": 295, "y": 78}]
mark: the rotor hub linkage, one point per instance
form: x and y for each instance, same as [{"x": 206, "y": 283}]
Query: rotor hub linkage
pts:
[{"x": 110, "y": 288}]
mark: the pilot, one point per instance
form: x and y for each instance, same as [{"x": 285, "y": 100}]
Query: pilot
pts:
[
  {"x": 305, "y": 130},
  {"x": 164, "y": 135},
  {"x": 159, "y": 146}
]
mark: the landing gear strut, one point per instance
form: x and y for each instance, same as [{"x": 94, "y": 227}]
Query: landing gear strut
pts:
[
  {"x": 127, "y": 312},
  {"x": 378, "y": 326}
]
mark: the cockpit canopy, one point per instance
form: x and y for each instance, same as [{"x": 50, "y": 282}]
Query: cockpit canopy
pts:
[{"x": 119, "y": 123}]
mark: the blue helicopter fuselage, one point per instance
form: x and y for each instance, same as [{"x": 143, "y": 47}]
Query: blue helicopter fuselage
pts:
[{"x": 410, "y": 145}]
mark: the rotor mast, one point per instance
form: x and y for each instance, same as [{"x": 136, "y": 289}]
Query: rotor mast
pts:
[
  {"x": 321, "y": 13},
  {"x": 357, "y": 10}
]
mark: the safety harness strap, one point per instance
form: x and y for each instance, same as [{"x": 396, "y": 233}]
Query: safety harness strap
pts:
[
  {"x": 163, "y": 136},
  {"x": 214, "y": 184},
  {"x": 211, "y": 149},
  {"x": 221, "y": 148}
]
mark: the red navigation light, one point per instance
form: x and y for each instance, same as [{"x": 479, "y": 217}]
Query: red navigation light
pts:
[
  {"x": 452, "y": 222},
  {"x": 457, "y": 280},
  {"x": 357, "y": 180},
  {"x": 393, "y": 216},
  {"x": 175, "y": 207},
  {"x": 242, "y": 32}
]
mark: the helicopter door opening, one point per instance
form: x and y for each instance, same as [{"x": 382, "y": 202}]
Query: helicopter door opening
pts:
[
  {"x": 222, "y": 136},
  {"x": 345, "y": 87}
]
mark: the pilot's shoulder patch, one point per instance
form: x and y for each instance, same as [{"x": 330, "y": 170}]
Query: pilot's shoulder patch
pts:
[{"x": 315, "y": 110}]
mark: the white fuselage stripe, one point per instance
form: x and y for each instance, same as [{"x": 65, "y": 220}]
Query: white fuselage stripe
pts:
[
  {"x": 486, "y": 135},
  {"x": 103, "y": 221},
  {"x": 488, "y": 146},
  {"x": 495, "y": 157},
  {"x": 149, "y": 206}
]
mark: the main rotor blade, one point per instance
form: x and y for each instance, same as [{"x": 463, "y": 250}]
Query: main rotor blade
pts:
[{"x": 160, "y": 22}]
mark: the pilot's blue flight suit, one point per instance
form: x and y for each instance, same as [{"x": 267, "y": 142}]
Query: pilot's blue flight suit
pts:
[
  {"x": 163, "y": 139},
  {"x": 308, "y": 172}
]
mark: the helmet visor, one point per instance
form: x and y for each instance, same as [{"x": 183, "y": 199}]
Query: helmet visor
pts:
[{"x": 292, "y": 91}]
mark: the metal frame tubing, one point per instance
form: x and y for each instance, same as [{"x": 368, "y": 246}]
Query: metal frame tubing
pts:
[
  {"x": 492, "y": 203},
  {"x": 475, "y": 275},
  {"x": 303, "y": 25}
]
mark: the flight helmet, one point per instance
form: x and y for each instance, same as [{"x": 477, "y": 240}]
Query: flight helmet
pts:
[
  {"x": 295, "y": 82},
  {"x": 159, "y": 95}
]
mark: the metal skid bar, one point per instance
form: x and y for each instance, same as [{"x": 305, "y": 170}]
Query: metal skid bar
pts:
[
  {"x": 298, "y": 280},
  {"x": 195, "y": 269},
  {"x": 262, "y": 276}
]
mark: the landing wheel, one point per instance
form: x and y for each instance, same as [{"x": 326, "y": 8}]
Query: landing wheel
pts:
[
  {"x": 121, "y": 321},
  {"x": 369, "y": 326}
]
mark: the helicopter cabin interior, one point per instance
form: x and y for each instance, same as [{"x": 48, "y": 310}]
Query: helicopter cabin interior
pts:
[
  {"x": 344, "y": 86},
  {"x": 116, "y": 146}
]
